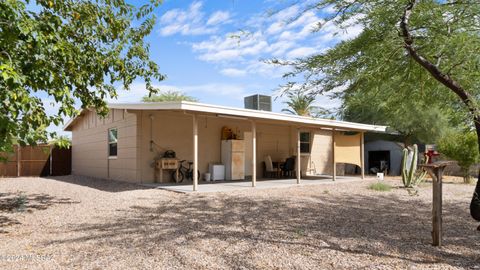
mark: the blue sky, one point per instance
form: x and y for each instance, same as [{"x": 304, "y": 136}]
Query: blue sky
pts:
[{"x": 214, "y": 50}]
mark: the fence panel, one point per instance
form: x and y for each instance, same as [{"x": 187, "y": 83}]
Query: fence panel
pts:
[
  {"x": 9, "y": 167},
  {"x": 61, "y": 161},
  {"x": 35, "y": 161}
]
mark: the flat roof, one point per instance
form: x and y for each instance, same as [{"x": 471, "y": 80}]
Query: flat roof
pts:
[{"x": 247, "y": 114}]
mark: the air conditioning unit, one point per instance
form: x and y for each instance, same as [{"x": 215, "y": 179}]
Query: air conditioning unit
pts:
[{"x": 258, "y": 102}]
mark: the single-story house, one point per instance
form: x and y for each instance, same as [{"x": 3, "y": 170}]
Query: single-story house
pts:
[
  {"x": 124, "y": 144},
  {"x": 384, "y": 152}
]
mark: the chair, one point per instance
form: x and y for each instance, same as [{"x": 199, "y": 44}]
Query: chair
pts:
[
  {"x": 288, "y": 167},
  {"x": 270, "y": 171}
]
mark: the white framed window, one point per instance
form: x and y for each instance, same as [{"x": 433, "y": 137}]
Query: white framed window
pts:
[
  {"x": 112, "y": 142},
  {"x": 304, "y": 142}
]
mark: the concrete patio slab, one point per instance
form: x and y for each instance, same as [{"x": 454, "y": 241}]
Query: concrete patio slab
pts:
[{"x": 226, "y": 186}]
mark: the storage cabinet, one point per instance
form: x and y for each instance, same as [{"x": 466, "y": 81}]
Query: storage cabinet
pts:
[{"x": 233, "y": 157}]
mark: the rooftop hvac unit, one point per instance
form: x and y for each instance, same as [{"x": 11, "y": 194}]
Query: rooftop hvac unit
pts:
[{"x": 258, "y": 102}]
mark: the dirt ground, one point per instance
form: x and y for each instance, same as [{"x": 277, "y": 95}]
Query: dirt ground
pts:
[{"x": 77, "y": 222}]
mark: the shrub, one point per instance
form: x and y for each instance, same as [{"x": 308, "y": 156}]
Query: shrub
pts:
[
  {"x": 20, "y": 203},
  {"x": 379, "y": 186},
  {"x": 461, "y": 147}
]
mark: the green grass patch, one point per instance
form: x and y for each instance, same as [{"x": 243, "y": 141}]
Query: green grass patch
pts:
[{"x": 379, "y": 186}]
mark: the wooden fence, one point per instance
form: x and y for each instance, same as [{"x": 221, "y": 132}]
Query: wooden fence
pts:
[{"x": 39, "y": 160}]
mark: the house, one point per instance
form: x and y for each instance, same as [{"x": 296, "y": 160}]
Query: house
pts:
[
  {"x": 124, "y": 145},
  {"x": 384, "y": 152}
]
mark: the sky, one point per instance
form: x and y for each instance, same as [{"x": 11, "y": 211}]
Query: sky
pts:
[{"x": 216, "y": 50}]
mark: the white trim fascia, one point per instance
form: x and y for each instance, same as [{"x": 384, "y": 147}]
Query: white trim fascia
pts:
[{"x": 240, "y": 112}]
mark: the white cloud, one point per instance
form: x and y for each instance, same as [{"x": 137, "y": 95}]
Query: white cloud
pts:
[
  {"x": 219, "y": 17},
  {"x": 301, "y": 52},
  {"x": 233, "y": 72},
  {"x": 281, "y": 35},
  {"x": 280, "y": 47},
  {"x": 231, "y": 47},
  {"x": 191, "y": 21},
  {"x": 287, "y": 34}
]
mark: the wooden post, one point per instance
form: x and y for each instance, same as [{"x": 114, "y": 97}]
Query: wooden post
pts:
[
  {"x": 435, "y": 170},
  {"x": 334, "y": 164},
  {"x": 362, "y": 154},
  {"x": 299, "y": 167},
  {"x": 254, "y": 154},
  {"x": 195, "y": 153}
]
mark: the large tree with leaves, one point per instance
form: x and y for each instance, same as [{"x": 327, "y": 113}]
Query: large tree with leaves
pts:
[
  {"x": 413, "y": 115},
  {"x": 63, "y": 51},
  {"x": 432, "y": 44}
]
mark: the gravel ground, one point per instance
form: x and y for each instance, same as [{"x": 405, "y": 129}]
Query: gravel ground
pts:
[{"x": 77, "y": 222}]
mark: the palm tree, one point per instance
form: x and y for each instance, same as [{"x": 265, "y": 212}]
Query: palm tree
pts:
[{"x": 300, "y": 103}]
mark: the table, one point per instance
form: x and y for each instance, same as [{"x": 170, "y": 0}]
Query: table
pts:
[{"x": 165, "y": 164}]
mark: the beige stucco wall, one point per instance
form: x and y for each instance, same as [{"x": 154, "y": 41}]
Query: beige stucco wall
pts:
[
  {"x": 319, "y": 160},
  {"x": 321, "y": 151},
  {"x": 173, "y": 131},
  {"x": 90, "y": 146},
  {"x": 347, "y": 148}
]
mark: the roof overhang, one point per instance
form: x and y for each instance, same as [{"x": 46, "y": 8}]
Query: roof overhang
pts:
[{"x": 201, "y": 108}]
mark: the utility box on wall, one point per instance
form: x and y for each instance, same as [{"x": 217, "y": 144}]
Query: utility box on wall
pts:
[{"x": 258, "y": 102}]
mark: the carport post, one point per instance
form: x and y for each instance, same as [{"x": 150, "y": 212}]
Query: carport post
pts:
[
  {"x": 195, "y": 153},
  {"x": 299, "y": 170},
  {"x": 254, "y": 154},
  {"x": 362, "y": 154},
  {"x": 334, "y": 164}
]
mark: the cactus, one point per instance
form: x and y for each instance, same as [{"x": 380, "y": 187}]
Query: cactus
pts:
[{"x": 410, "y": 176}]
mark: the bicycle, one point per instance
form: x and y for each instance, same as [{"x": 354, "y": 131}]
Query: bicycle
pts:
[{"x": 184, "y": 172}]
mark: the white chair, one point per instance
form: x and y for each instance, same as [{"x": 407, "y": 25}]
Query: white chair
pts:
[{"x": 269, "y": 170}]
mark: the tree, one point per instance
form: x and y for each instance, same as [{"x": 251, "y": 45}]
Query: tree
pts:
[
  {"x": 62, "y": 51},
  {"x": 62, "y": 142},
  {"x": 414, "y": 118},
  {"x": 460, "y": 146},
  {"x": 428, "y": 43},
  {"x": 301, "y": 103},
  {"x": 170, "y": 95}
]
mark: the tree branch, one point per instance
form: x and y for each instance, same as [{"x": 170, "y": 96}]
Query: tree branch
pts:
[{"x": 443, "y": 78}]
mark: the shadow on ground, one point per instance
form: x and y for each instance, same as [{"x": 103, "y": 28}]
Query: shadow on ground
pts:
[
  {"x": 18, "y": 202},
  {"x": 98, "y": 183},
  {"x": 383, "y": 226}
]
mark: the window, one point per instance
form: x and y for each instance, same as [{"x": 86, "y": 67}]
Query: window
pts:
[
  {"x": 304, "y": 142},
  {"x": 112, "y": 142}
]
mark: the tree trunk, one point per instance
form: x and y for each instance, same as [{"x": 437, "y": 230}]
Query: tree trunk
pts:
[
  {"x": 475, "y": 203},
  {"x": 453, "y": 85}
]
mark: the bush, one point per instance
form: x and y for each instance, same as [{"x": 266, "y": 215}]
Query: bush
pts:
[
  {"x": 379, "y": 186},
  {"x": 20, "y": 203},
  {"x": 461, "y": 147}
]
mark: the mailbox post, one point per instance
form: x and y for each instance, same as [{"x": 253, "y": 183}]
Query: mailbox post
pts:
[{"x": 435, "y": 170}]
